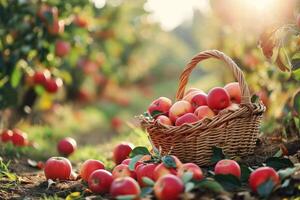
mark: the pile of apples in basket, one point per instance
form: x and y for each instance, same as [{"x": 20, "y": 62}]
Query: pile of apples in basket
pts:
[{"x": 196, "y": 105}]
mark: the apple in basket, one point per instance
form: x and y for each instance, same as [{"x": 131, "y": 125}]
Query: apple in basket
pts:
[
  {"x": 234, "y": 92},
  {"x": 192, "y": 90},
  {"x": 218, "y": 98},
  {"x": 191, "y": 95},
  {"x": 199, "y": 99},
  {"x": 164, "y": 120},
  {"x": 204, "y": 112},
  {"x": 187, "y": 118},
  {"x": 160, "y": 106},
  {"x": 179, "y": 108}
]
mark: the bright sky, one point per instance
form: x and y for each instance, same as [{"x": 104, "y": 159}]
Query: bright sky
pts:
[{"x": 171, "y": 13}]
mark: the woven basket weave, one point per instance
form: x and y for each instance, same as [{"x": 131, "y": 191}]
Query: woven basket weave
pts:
[{"x": 235, "y": 132}]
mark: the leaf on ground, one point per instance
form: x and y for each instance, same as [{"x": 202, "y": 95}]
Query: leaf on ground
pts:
[
  {"x": 228, "y": 181},
  {"x": 50, "y": 183},
  {"x": 169, "y": 161},
  {"x": 148, "y": 181},
  {"x": 266, "y": 188},
  {"x": 126, "y": 197},
  {"x": 146, "y": 191},
  {"x": 187, "y": 176},
  {"x": 217, "y": 154},
  {"x": 279, "y": 163},
  {"x": 285, "y": 173},
  {"x": 245, "y": 172},
  {"x": 140, "y": 150},
  {"x": 32, "y": 163},
  {"x": 133, "y": 161},
  {"x": 189, "y": 186},
  {"x": 74, "y": 196},
  {"x": 210, "y": 185}
]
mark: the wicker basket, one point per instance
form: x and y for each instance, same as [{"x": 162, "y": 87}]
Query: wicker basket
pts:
[{"x": 235, "y": 132}]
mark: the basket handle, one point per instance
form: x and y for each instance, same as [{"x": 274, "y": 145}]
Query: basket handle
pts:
[{"x": 238, "y": 74}]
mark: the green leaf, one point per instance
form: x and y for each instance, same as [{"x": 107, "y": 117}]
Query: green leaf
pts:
[
  {"x": 148, "y": 181},
  {"x": 210, "y": 185},
  {"x": 16, "y": 77},
  {"x": 296, "y": 74},
  {"x": 169, "y": 161},
  {"x": 285, "y": 173},
  {"x": 146, "y": 191},
  {"x": 156, "y": 113},
  {"x": 254, "y": 99},
  {"x": 279, "y": 153},
  {"x": 189, "y": 186},
  {"x": 295, "y": 64},
  {"x": 266, "y": 188},
  {"x": 228, "y": 181},
  {"x": 126, "y": 197},
  {"x": 39, "y": 89},
  {"x": 279, "y": 163},
  {"x": 133, "y": 161},
  {"x": 217, "y": 154},
  {"x": 139, "y": 151},
  {"x": 245, "y": 172},
  {"x": 73, "y": 196},
  {"x": 187, "y": 176},
  {"x": 297, "y": 122},
  {"x": 296, "y": 104}
]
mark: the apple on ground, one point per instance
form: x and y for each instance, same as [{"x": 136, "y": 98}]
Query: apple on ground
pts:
[
  {"x": 199, "y": 99},
  {"x": 128, "y": 160},
  {"x": 145, "y": 170},
  {"x": 161, "y": 170},
  {"x": 66, "y": 146},
  {"x": 58, "y": 168},
  {"x": 124, "y": 186},
  {"x": 116, "y": 122},
  {"x": 164, "y": 120},
  {"x": 218, "y": 98},
  {"x": 100, "y": 181},
  {"x": 204, "y": 112},
  {"x": 187, "y": 118},
  {"x": 168, "y": 187},
  {"x": 190, "y": 167},
  {"x": 234, "y": 92},
  {"x": 19, "y": 138},
  {"x": 88, "y": 167},
  {"x": 178, "y": 109},
  {"x": 227, "y": 166},
  {"x": 160, "y": 106},
  {"x": 122, "y": 170},
  {"x": 262, "y": 175},
  {"x": 62, "y": 48},
  {"x": 121, "y": 152},
  {"x": 6, "y": 135}
]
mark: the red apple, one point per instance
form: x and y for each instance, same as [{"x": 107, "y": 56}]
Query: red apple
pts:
[
  {"x": 80, "y": 21},
  {"x": 100, "y": 181},
  {"x": 121, "y": 152},
  {"x": 164, "y": 120},
  {"x": 160, "y": 106},
  {"x": 62, "y": 48},
  {"x": 125, "y": 186},
  {"x": 192, "y": 90},
  {"x": 200, "y": 99},
  {"x": 162, "y": 170},
  {"x": 191, "y": 95},
  {"x": 179, "y": 108},
  {"x": 122, "y": 170},
  {"x": 234, "y": 92},
  {"x": 263, "y": 96},
  {"x": 168, "y": 187},
  {"x": 88, "y": 167},
  {"x": 187, "y": 118},
  {"x": 145, "y": 170},
  {"x": 227, "y": 166},
  {"x": 190, "y": 167},
  {"x": 116, "y": 123},
  {"x": 41, "y": 77},
  {"x": 58, "y": 168},
  {"x": 19, "y": 138},
  {"x": 66, "y": 146},
  {"x": 52, "y": 85},
  {"x": 262, "y": 175},
  {"x": 218, "y": 98},
  {"x": 56, "y": 27},
  {"x": 204, "y": 112},
  {"x": 128, "y": 160},
  {"x": 6, "y": 135}
]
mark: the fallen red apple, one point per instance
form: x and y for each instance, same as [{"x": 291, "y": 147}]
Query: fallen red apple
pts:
[
  {"x": 128, "y": 160},
  {"x": 122, "y": 170},
  {"x": 161, "y": 170},
  {"x": 159, "y": 106},
  {"x": 121, "y": 152},
  {"x": 116, "y": 123},
  {"x": 145, "y": 170},
  {"x": 62, "y": 48},
  {"x": 190, "y": 167},
  {"x": 58, "y": 168},
  {"x": 187, "y": 118},
  {"x": 227, "y": 166},
  {"x": 168, "y": 187},
  {"x": 234, "y": 92},
  {"x": 218, "y": 98},
  {"x": 262, "y": 175},
  {"x": 179, "y": 108},
  {"x": 204, "y": 112},
  {"x": 125, "y": 186},
  {"x": 164, "y": 120},
  {"x": 6, "y": 135},
  {"x": 19, "y": 138},
  {"x": 88, "y": 167},
  {"x": 100, "y": 181},
  {"x": 66, "y": 146}
]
